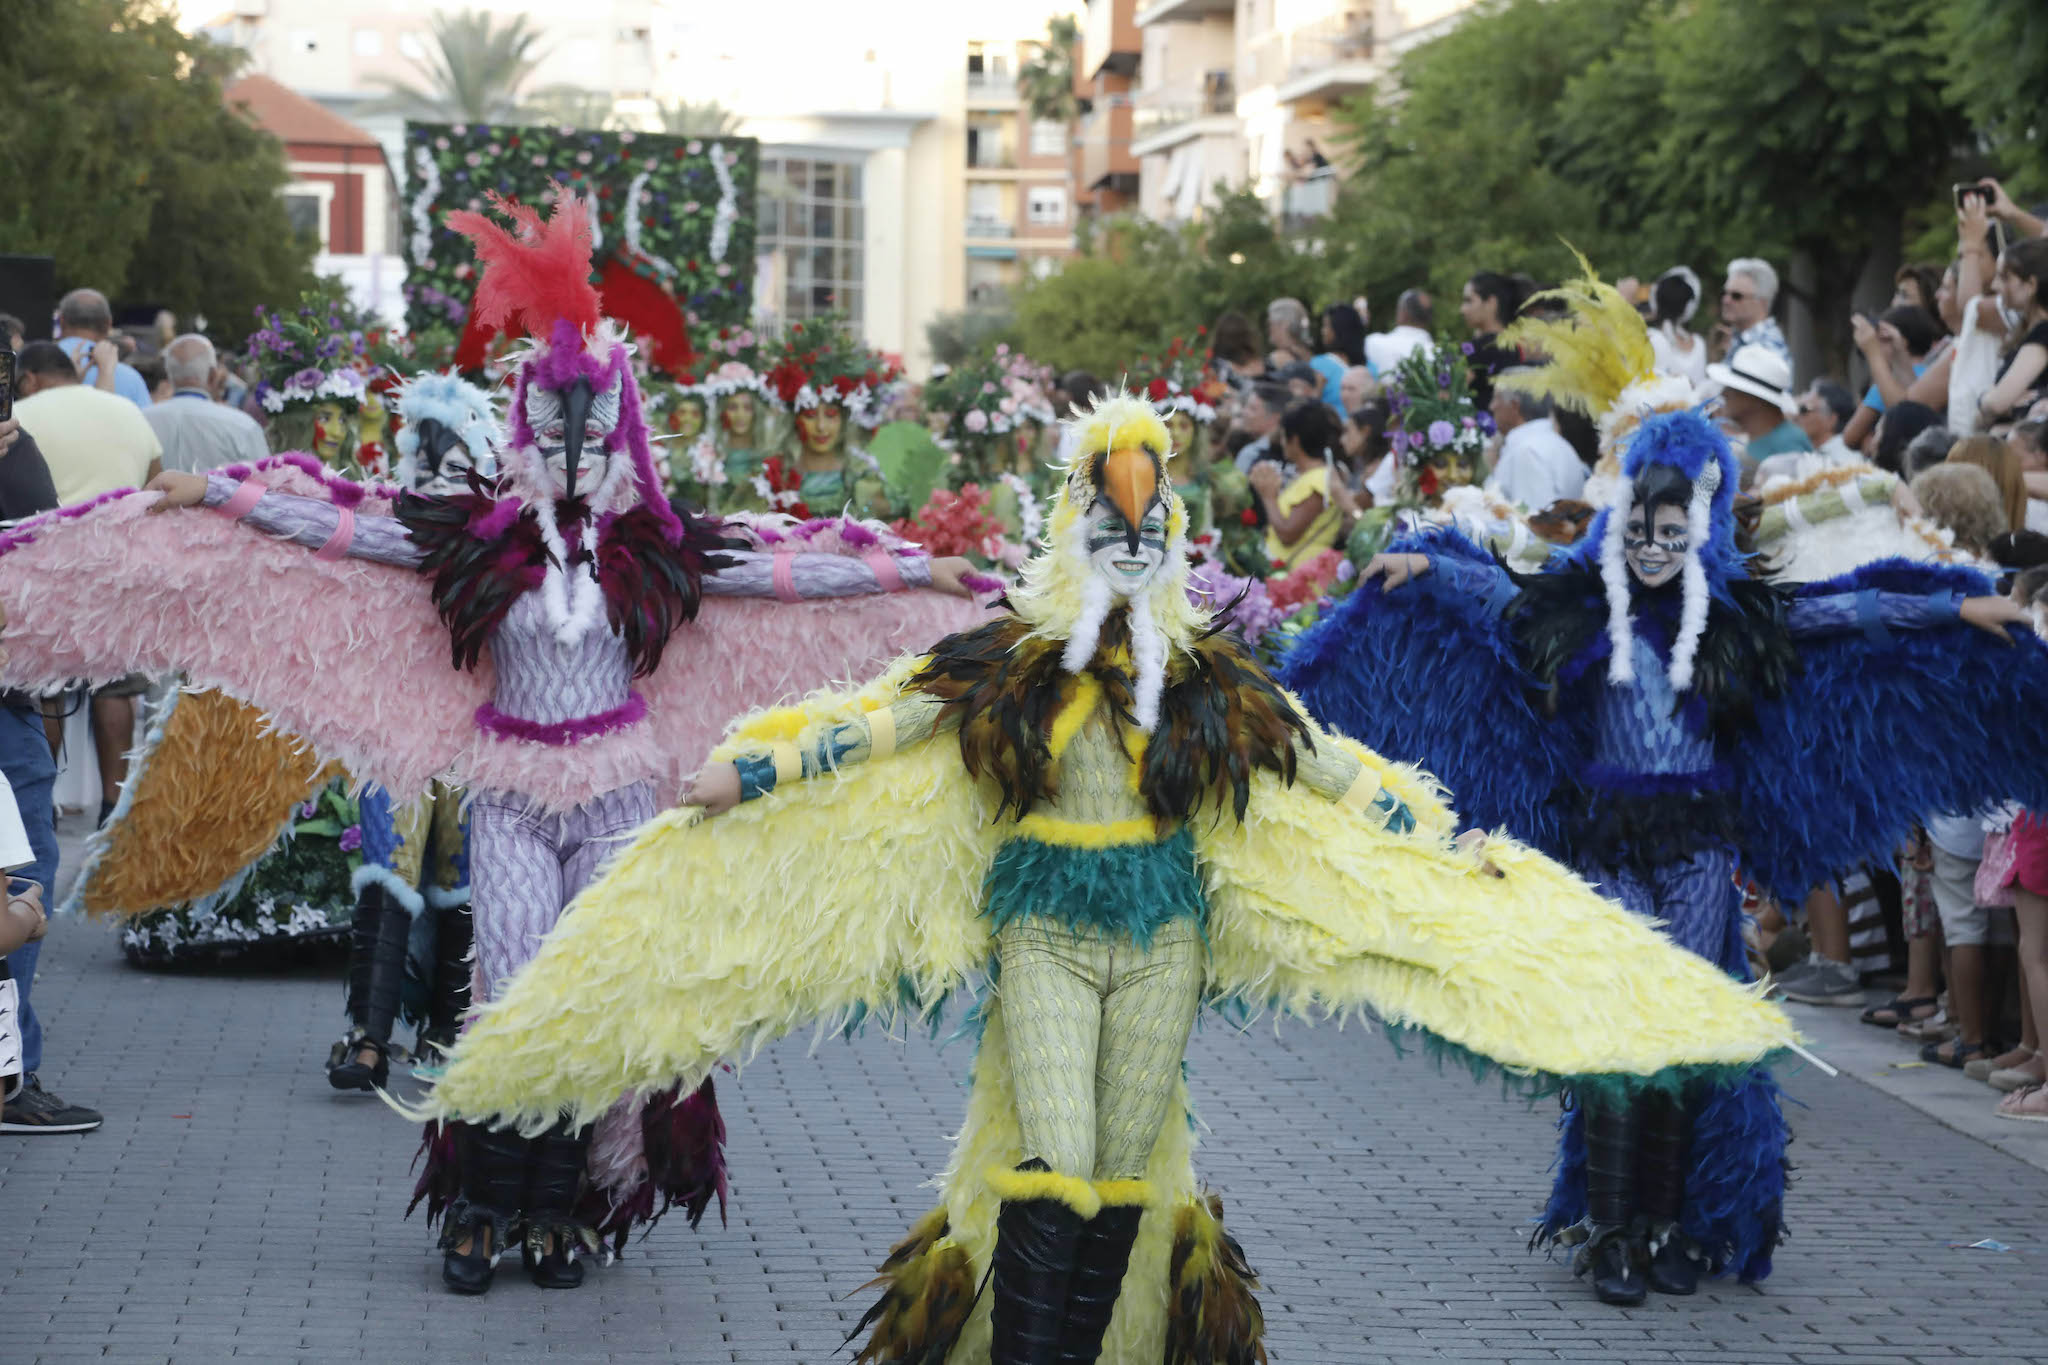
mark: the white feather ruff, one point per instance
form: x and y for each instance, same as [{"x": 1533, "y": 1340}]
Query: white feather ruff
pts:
[
  {"x": 1148, "y": 652},
  {"x": 1692, "y": 616},
  {"x": 1621, "y": 667},
  {"x": 574, "y": 602},
  {"x": 1096, "y": 600}
]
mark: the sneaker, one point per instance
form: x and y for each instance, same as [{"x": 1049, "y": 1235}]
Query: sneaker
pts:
[
  {"x": 35, "y": 1110},
  {"x": 1826, "y": 983}
]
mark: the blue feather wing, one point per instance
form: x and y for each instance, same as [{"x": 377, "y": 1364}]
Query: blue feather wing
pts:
[
  {"x": 1872, "y": 735},
  {"x": 1430, "y": 675}
]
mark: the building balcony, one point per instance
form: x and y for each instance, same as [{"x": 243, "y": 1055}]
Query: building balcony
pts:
[
  {"x": 1110, "y": 45},
  {"x": 1328, "y": 59},
  {"x": 991, "y": 90},
  {"x": 1308, "y": 199},
  {"x": 1181, "y": 11},
  {"x": 981, "y": 229},
  {"x": 1104, "y": 140},
  {"x": 1166, "y": 118}
]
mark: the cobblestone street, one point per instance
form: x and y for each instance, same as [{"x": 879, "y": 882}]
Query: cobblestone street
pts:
[{"x": 234, "y": 1206}]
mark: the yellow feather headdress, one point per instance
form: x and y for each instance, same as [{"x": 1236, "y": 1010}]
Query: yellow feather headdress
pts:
[{"x": 1599, "y": 360}]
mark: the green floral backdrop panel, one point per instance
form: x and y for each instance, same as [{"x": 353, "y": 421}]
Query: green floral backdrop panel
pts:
[{"x": 684, "y": 205}]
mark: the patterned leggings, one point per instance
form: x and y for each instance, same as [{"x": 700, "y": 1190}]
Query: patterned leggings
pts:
[
  {"x": 1097, "y": 1027},
  {"x": 525, "y": 868}
]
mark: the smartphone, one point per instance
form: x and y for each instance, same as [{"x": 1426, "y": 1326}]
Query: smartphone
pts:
[
  {"x": 1963, "y": 192},
  {"x": 6, "y": 384}
]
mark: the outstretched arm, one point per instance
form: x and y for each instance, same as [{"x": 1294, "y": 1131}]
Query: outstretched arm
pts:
[
  {"x": 1340, "y": 776},
  {"x": 877, "y": 734},
  {"x": 334, "y": 531},
  {"x": 1877, "y": 613},
  {"x": 794, "y": 577},
  {"x": 1486, "y": 583}
]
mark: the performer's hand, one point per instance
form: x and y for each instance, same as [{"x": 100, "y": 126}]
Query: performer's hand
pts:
[
  {"x": 949, "y": 576},
  {"x": 1904, "y": 502},
  {"x": 179, "y": 490},
  {"x": 1397, "y": 569},
  {"x": 716, "y": 788},
  {"x": 1473, "y": 841},
  {"x": 1994, "y": 614}
]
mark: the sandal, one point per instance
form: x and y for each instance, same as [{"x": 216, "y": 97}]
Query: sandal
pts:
[
  {"x": 1935, "y": 1028},
  {"x": 1982, "y": 1067},
  {"x": 1951, "y": 1054},
  {"x": 1901, "y": 1009},
  {"x": 2025, "y": 1106},
  {"x": 2026, "y": 1074}
]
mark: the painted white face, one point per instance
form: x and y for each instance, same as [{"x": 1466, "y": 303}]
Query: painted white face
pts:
[
  {"x": 1655, "y": 557},
  {"x": 1109, "y": 547},
  {"x": 546, "y": 414},
  {"x": 450, "y": 477}
]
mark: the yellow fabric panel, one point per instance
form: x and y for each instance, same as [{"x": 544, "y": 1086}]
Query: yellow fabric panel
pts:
[{"x": 210, "y": 792}]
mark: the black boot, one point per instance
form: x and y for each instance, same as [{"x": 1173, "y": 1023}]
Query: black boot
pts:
[
  {"x": 1614, "y": 1254},
  {"x": 494, "y": 1166},
  {"x": 1099, "y": 1264},
  {"x": 553, "y": 1187},
  {"x": 1036, "y": 1241},
  {"x": 376, "y": 975},
  {"x": 449, "y": 999},
  {"x": 1660, "y": 1191}
]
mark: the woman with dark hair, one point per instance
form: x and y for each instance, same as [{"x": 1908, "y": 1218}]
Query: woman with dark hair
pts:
[
  {"x": 1343, "y": 338},
  {"x": 1235, "y": 344},
  {"x": 1896, "y": 431},
  {"x": 1896, "y": 348},
  {"x": 2023, "y": 289},
  {"x": 1301, "y": 515},
  {"x": 1679, "y": 350},
  {"x": 1490, "y": 302},
  {"x": 1918, "y": 286}
]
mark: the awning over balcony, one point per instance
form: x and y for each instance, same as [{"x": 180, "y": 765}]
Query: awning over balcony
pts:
[{"x": 992, "y": 253}]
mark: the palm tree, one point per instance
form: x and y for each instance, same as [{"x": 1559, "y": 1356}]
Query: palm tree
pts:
[
  {"x": 682, "y": 118},
  {"x": 571, "y": 106},
  {"x": 1046, "y": 77},
  {"x": 474, "y": 73}
]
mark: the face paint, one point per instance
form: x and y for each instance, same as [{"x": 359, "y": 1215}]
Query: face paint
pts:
[
  {"x": 570, "y": 427},
  {"x": 1126, "y": 570},
  {"x": 1656, "y": 557}
]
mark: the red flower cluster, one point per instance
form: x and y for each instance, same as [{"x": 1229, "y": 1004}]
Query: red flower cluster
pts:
[
  {"x": 788, "y": 379},
  {"x": 1306, "y": 583},
  {"x": 1158, "y": 390},
  {"x": 1427, "y": 482},
  {"x": 784, "y": 483},
  {"x": 954, "y": 524}
]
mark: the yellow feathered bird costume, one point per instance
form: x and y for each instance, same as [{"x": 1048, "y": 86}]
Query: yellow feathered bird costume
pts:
[{"x": 861, "y": 893}]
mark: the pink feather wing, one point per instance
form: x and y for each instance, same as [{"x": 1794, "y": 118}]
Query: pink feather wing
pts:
[{"x": 348, "y": 655}]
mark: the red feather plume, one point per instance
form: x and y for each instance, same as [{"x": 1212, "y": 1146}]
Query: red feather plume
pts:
[{"x": 537, "y": 278}]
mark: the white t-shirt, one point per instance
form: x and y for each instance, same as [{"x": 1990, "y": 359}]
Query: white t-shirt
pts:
[
  {"x": 1689, "y": 365},
  {"x": 1537, "y": 467},
  {"x": 1385, "y": 350}
]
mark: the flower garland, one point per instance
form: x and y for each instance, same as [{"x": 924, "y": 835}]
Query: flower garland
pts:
[
  {"x": 308, "y": 357},
  {"x": 728, "y": 212},
  {"x": 1030, "y": 517},
  {"x": 1180, "y": 380}
]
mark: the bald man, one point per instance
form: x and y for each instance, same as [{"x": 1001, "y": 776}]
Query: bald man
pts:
[
  {"x": 83, "y": 320},
  {"x": 198, "y": 434}
]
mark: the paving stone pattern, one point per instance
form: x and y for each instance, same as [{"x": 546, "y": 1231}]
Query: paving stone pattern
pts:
[{"x": 234, "y": 1207}]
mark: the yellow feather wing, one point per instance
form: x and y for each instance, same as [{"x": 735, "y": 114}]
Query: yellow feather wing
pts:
[
  {"x": 1312, "y": 911},
  {"x": 856, "y": 892}
]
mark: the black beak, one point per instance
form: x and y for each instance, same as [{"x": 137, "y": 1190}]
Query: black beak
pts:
[
  {"x": 435, "y": 441},
  {"x": 576, "y": 401},
  {"x": 1131, "y": 538}
]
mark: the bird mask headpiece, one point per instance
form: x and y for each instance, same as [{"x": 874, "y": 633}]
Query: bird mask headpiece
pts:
[
  {"x": 1116, "y": 537},
  {"x": 448, "y": 430}
]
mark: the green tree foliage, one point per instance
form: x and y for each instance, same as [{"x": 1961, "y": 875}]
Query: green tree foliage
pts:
[
  {"x": 1997, "y": 68},
  {"x": 122, "y": 161},
  {"x": 969, "y": 333},
  {"x": 475, "y": 70},
  {"x": 1046, "y": 78},
  {"x": 1648, "y": 132},
  {"x": 1095, "y": 314}
]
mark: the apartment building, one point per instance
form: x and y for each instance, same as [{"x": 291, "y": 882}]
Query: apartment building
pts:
[
  {"x": 1105, "y": 169},
  {"x": 1244, "y": 92},
  {"x": 1019, "y": 189}
]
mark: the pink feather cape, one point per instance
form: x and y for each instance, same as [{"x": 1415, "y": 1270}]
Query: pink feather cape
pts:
[{"x": 350, "y": 655}]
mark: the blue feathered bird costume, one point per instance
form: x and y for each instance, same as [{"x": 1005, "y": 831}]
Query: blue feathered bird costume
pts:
[{"x": 1658, "y": 738}]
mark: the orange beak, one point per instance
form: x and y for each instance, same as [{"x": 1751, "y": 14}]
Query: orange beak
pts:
[{"x": 1132, "y": 482}]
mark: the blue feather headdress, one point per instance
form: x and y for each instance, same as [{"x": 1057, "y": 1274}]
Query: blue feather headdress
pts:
[
  {"x": 1693, "y": 448},
  {"x": 461, "y": 408}
]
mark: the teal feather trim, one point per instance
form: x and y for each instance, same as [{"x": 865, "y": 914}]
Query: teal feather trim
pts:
[{"x": 1128, "y": 889}]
